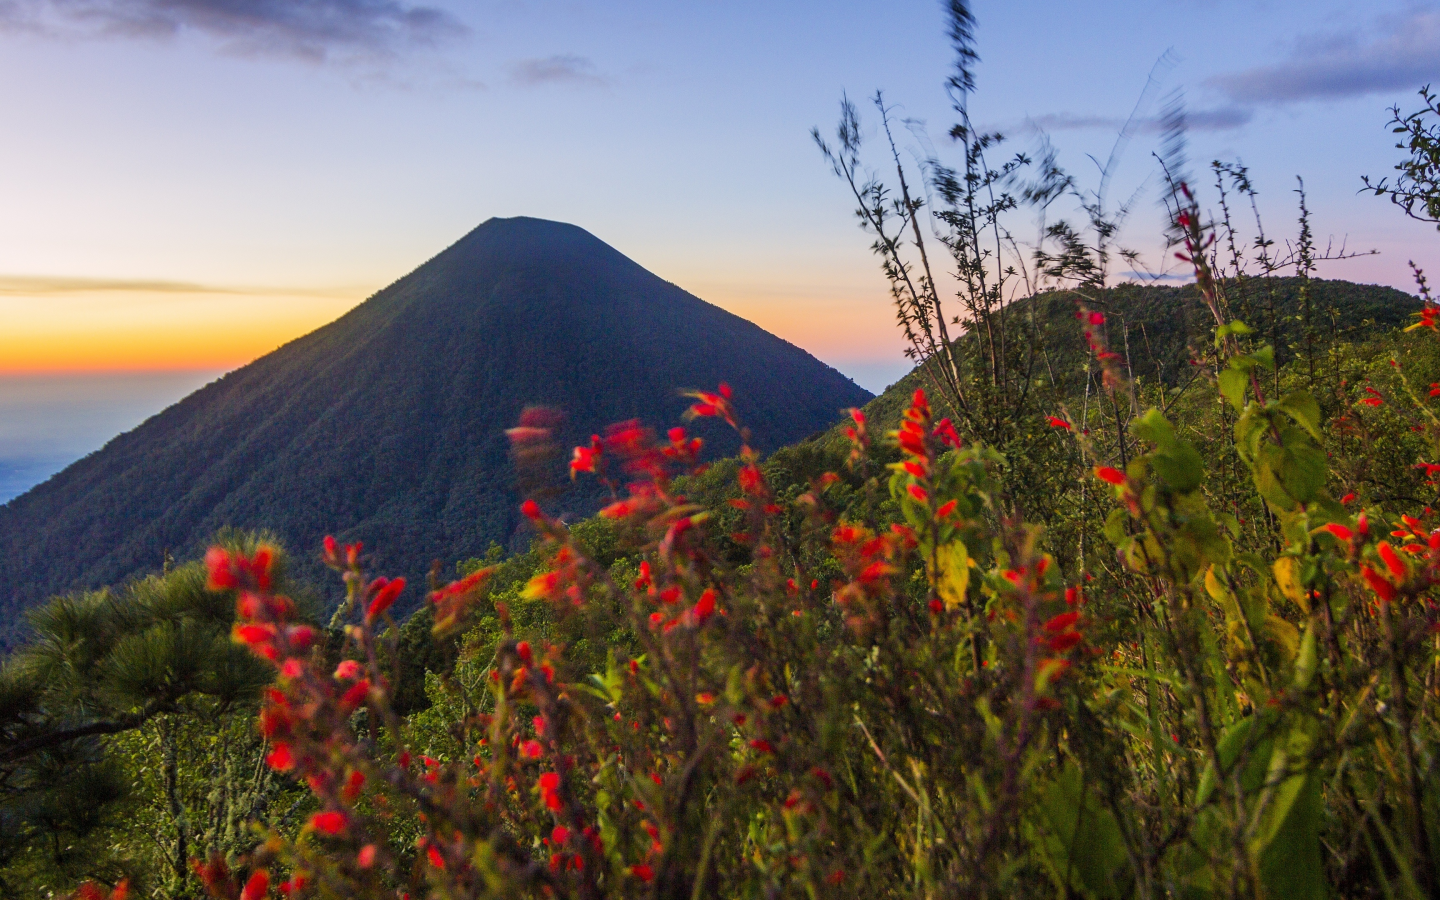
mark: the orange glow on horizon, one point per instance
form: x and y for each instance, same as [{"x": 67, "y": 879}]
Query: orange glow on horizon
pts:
[
  {"x": 138, "y": 330},
  {"x": 133, "y": 327},
  {"x": 831, "y": 327}
]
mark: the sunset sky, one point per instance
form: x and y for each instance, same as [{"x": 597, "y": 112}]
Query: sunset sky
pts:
[{"x": 188, "y": 184}]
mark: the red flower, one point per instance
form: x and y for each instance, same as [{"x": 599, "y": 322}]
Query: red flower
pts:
[
  {"x": 704, "y": 607},
  {"x": 532, "y": 750},
  {"x": 254, "y": 634},
  {"x": 1382, "y": 588},
  {"x": 353, "y": 783},
  {"x": 618, "y": 510},
  {"x": 1062, "y": 642},
  {"x": 920, "y": 402},
  {"x": 550, "y": 790},
  {"x": 366, "y": 857},
  {"x": 1393, "y": 562},
  {"x": 1056, "y": 422},
  {"x": 347, "y": 670},
  {"x": 875, "y": 570},
  {"x": 530, "y": 510},
  {"x": 643, "y": 872},
  {"x": 217, "y": 564},
  {"x": 357, "y": 693},
  {"x": 947, "y": 434},
  {"x": 386, "y": 595},
  {"x": 331, "y": 823},
  {"x": 585, "y": 458},
  {"x": 1062, "y": 621},
  {"x": 434, "y": 856},
  {"x": 762, "y": 746},
  {"x": 919, "y": 493},
  {"x": 1109, "y": 475},
  {"x": 281, "y": 759},
  {"x": 257, "y": 887},
  {"x": 749, "y": 478},
  {"x": 1340, "y": 532},
  {"x": 300, "y": 638}
]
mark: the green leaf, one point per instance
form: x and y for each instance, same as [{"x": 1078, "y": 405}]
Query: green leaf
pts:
[
  {"x": 1306, "y": 660},
  {"x": 1302, "y": 407},
  {"x": 1291, "y": 865},
  {"x": 1233, "y": 383},
  {"x": 1267, "y": 481},
  {"x": 1152, "y": 426},
  {"x": 1303, "y": 466},
  {"x": 1249, "y": 430},
  {"x": 1181, "y": 467},
  {"x": 1115, "y": 531},
  {"x": 1079, "y": 839}
]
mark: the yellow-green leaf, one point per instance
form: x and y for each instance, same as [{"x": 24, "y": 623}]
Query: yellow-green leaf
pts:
[
  {"x": 953, "y": 576},
  {"x": 1287, "y": 576}
]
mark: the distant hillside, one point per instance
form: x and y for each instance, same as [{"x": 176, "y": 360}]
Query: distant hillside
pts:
[
  {"x": 387, "y": 425},
  {"x": 1159, "y": 326}
]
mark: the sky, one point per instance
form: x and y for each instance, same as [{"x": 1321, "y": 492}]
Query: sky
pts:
[{"x": 187, "y": 184}]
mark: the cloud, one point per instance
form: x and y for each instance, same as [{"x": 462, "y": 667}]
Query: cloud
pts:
[
  {"x": 1222, "y": 118},
  {"x": 1152, "y": 277},
  {"x": 42, "y": 285},
  {"x": 561, "y": 69},
  {"x": 1402, "y": 53},
  {"x": 316, "y": 30}
]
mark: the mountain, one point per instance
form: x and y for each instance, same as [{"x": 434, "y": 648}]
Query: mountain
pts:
[
  {"x": 387, "y": 425},
  {"x": 1160, "y": 329}
]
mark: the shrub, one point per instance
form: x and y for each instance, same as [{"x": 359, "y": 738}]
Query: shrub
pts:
[{"x": 930, "y": 706}]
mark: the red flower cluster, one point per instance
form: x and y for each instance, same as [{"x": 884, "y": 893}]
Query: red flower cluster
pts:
[
  {"x": 718, "y": 404},
  {"x": 455, "y": 598}
]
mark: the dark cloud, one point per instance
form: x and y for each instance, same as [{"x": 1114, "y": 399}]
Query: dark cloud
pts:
[
  {"x": 312, "y": 29},
  {"x": 1402, "y": 53},
  {"x": 562, "y": 69},
  {"x": 1222, "y": 118}
]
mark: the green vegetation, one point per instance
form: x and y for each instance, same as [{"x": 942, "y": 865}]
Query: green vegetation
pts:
[{"x": 126, "y": 742}]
